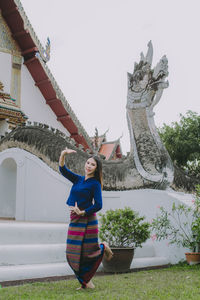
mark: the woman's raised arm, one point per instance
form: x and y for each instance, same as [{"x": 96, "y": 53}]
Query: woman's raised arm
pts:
[
  {"x": 62, "y": 156},
  {"x": 63, "y": 170}
]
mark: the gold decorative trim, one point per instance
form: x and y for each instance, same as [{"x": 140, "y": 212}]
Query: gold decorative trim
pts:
[
  {"x": 12, "y": 117},
  {"x": 3, "y": 95},
  {"x": 9, "y": 110},
  {"x": 1, "y": 86}
]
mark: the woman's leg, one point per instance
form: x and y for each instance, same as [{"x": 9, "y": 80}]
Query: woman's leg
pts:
[
  {"x": 92, "y": 252},
  {"x": 84, "y": 254}
]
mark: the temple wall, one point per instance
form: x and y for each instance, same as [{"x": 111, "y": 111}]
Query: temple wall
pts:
[
  {"x": 34, "y": 105},
  {"x": 41, "y": 194},
  {"x": 5, "y": 71},
  {"x": 147, "y": 202}
]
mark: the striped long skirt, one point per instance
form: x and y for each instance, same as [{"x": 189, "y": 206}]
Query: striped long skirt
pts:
[{"x": 83, "y": 252}]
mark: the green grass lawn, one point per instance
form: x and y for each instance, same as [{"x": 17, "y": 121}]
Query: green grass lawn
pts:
[{"x": 177, "y": 282}]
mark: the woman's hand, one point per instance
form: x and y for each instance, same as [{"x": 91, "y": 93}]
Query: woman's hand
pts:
[
  {"x": 62, "y": 155},
  {"x": 67, "y": 151},
  {"x": 76, "y": 210}
]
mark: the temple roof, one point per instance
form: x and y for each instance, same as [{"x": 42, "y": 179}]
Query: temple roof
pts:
[
  {"x": 30, "y": 46},
  {"x": 111, "y": 150},
  {"x": 97, "y": 140}
]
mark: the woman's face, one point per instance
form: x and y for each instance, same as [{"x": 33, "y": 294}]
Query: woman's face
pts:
[{"x": 90, "y": 167}]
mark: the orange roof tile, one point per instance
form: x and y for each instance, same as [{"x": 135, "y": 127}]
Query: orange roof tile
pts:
[{"x": 107, "y": 149}]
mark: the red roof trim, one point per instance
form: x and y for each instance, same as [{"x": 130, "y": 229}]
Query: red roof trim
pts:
[
  {"x": 63, "y": 117},
  {"x": 48, "y": 101},
  {"x": 19, "y": 33},
  {"x": 31, "y": 50},
  {"x": 9, "y": 12},
  {"x": 42, "y": 82}
]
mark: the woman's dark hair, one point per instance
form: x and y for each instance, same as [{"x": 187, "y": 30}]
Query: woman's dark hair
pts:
[{"x": 98, "y": 171}]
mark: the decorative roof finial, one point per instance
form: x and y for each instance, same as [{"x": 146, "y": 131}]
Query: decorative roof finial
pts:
[
  {"x": 45, "y": 54},
  {"x": 96, "y": 139}
]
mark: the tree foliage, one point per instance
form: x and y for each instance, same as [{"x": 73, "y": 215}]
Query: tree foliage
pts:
[{"x": 182, "y": 139}]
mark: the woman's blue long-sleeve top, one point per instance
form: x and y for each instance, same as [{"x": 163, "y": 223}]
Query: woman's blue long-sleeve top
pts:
[{"x": 83, "y": 191}]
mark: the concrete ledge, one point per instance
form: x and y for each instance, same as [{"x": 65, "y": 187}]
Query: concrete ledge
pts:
[
  {"x": 15, "y": 232},
  {"x": 144, "y": 262},
  {"x": 21, "y": 272},
  {"x": 32, "y": 254}
]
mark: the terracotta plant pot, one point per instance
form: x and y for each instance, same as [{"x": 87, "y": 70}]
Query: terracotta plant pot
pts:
[
  {"x": 193, "y": 258},
  {"x": 121, "y": 261}
]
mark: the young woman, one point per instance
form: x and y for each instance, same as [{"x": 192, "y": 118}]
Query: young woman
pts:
[{"x": 83, "y": 253}]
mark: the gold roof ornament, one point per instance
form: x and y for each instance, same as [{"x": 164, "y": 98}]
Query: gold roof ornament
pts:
[
  {"x": 9, "y": 110},
  {"x": 1, "y": 86},
  {"x": 3, "y": 96}
]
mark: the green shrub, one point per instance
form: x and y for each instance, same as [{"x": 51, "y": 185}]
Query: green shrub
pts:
[{"x": 122, "y": 228}]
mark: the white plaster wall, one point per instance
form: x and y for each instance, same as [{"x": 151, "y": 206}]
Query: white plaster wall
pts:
[
  {"x": 8, "y": 175},
  {"x": 45, "y": 193},
  {"x": 41, "y": 195},
  {"x": 147, "y": 203},
  {"x": 40, "y": 191},
  {"x": 5, "y": 70},
  {"x": 34, "y": 105}
]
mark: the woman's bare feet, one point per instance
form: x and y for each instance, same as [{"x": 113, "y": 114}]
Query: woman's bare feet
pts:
[
  {"x": 90, "y": 285},
  {"x": 108, "y": 252}
]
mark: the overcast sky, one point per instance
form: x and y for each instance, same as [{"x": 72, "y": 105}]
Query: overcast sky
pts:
[{"x": 94, "y": 43}]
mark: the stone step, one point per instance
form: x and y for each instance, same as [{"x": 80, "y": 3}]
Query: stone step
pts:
[
  {"x": 15, "y": 232},
  {"x": 32, "y": 271},
  {"x": 49, "y": 253},
  {"x": 32, "y": 254},
  {"x": 31, "y": 250},
  {"x": 39, "y": 271}
]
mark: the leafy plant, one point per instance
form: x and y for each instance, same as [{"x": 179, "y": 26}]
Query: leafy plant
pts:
[
  {"x": 181, "y": 225},
  {"x": 123, "y": 228}
]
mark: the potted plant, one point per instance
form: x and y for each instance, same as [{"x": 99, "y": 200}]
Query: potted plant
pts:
[
  {"x": 124, "y": 230},
  {"x": 181, "y": 226}
]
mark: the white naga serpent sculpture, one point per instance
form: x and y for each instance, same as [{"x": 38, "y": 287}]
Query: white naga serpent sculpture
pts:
[{"x": 148, "y": 164}]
